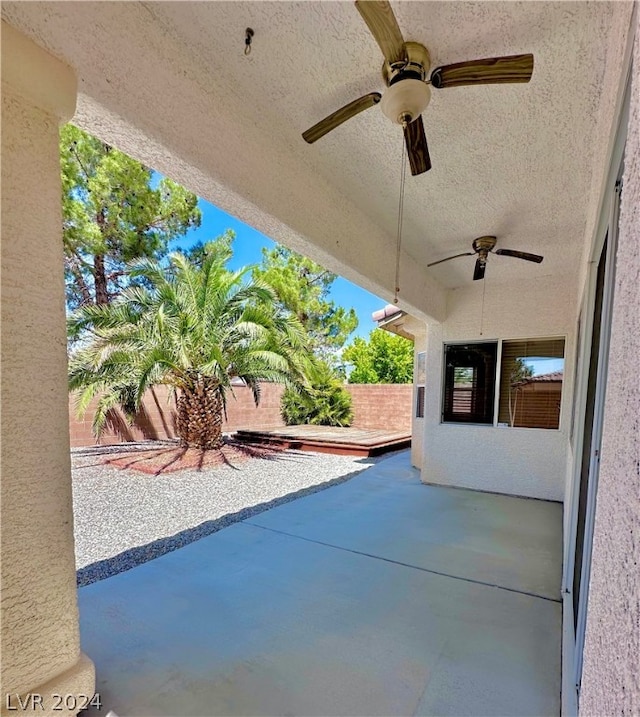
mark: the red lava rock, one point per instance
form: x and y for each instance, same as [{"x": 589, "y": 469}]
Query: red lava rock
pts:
[{"x": 169, "y": 460}]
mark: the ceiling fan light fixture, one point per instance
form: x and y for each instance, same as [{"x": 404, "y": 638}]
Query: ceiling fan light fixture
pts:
[
  {"x": 405, "y": 100},
  {"x": 405, "y": 69}
]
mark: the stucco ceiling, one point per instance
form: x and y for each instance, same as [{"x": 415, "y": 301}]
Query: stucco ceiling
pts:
[{"x": 523, "y": 162}]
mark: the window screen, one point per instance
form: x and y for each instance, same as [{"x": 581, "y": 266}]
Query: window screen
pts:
[
  {"x": 469, "y": 382},
  {"x": 531, "y": 383}
]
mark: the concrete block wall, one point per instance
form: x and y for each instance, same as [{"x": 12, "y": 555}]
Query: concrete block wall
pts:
[
  {"x": 155, "y": 421},
  {"x": 387, "y": 406},
  {"x": 375, "y": 406},
  {"x": 242, "y": 411}
]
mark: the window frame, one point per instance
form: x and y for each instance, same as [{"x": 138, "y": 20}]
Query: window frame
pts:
[
  {"x": 535, "y": 414},
  {"x": 443, "y": 411},
  {"x": 498, "y": 373}
]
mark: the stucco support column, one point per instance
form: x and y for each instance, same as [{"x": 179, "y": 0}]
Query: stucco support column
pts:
[{"x": 39, "y": 622}]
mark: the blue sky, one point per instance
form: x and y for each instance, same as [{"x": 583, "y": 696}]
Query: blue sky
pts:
[
  {"x": 248, "y": 247},
  {"x": 542, "y": 366}
]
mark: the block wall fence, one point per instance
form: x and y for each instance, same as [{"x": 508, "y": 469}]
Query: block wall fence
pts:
[{"x": 374, "y": 405}]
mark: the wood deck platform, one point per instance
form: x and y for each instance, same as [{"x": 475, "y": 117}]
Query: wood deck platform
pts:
[{"x": 326, "y": 439}]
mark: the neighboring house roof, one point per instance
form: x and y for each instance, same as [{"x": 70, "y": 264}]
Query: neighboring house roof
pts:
[
  {"x": 543, "y": 378},
  {"x": 394, "y": 320},
  {"x": 386, "y": 313},
  {"x": 553, "y": 376}
]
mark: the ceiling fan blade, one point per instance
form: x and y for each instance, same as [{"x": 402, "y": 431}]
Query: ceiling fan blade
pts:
[
  {"x": 490, "y": 71},
  {"x": 478, "y": 272},
  {"x": 339, "y": 116},
  {"x": 383, "y": 26},
  {"x": 449, "y": 258},
  {"x": 417, "y": 148},
  {"x": 520, "y": 255}
]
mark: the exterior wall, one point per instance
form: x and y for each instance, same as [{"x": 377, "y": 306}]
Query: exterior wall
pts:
[
  {"x": 518, "y": 461},
  {"x": 611, "y": 677},
  {"x": 375, "y": 406},
  {"x": 382, "y": 405},
  {"x": 40, "y": 633},
  {"x": 154, "y": 422},
  {"x": 242, "y": 411},
  {"x": 417, "y": 424},
  {"x": 414, "y": 329}
]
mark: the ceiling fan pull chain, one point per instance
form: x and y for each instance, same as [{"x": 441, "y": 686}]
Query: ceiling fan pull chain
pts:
[
  {"x": 484, "y": 286},
  {"x": 403, "y": 168}
]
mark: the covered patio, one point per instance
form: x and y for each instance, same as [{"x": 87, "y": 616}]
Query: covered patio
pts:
[
  {"x": 382, "y": 591},
  {"x": 379, "y": 596}
]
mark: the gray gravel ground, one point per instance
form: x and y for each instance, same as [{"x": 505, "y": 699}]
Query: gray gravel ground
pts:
[{"x": 124, "y": 517}]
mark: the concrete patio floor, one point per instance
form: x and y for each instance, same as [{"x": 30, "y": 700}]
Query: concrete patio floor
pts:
[{"x": 379, "y": 596}]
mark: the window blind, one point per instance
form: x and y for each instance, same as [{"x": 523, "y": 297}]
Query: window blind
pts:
[{"x": 529, "y": 395}]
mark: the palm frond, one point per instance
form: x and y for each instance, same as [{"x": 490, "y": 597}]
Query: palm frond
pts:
[{"x": 187, "y": 320}]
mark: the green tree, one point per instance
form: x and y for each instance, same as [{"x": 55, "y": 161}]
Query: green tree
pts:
[
  {"x": 193, "y": 327},
  {"x": 303, "y": 288},
  {"x": 462, "y": 374},
  {"x": 520, "y": 371},
  {"x": 111, "y": 215},
  {"x": 384, "y": 358},
  {"x": 324, "y": 402}
]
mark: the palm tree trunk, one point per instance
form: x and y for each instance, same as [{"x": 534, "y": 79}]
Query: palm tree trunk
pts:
[{"x": 200, "y": 409}]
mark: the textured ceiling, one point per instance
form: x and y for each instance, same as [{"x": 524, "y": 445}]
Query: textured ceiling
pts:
[{"x": 517, "y": 161}]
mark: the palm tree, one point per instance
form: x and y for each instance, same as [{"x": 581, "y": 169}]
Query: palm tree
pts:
[{"x": 194, "y": 326}]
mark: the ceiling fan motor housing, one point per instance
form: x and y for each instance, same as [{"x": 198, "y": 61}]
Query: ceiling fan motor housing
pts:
[
  {"x": 483, "y": 245},
  {"x": 408, "y": 94},
  {"x": 416, "y": 63}
]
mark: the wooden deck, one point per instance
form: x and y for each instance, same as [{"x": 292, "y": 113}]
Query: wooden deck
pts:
[{"x": 326, "y": 439}]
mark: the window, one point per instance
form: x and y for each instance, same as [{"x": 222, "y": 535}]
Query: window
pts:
[
  {"x": 531, "y": 373},
  {"x": 469, "y": 382},
  {"x": 531, "y": 383},
  {"x": 421, "y": 378}
]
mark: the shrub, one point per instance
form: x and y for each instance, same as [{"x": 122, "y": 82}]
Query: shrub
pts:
[{"x": 324, "y": 403}]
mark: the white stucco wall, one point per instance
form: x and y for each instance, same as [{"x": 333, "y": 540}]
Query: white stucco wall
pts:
[
  {"x": 39, "y": 630},
  {"x": 611, "y": 671},
  {"x": 417, "y": 424},
  {"x": 517, "y": 461}
]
